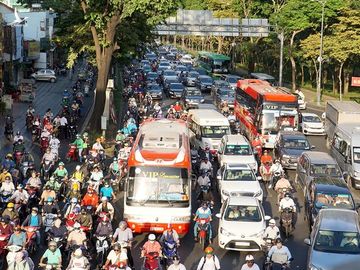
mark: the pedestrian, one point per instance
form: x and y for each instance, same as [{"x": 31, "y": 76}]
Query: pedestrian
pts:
[{"x": 249, "y": 263}]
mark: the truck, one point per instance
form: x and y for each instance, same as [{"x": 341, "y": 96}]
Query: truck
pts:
[{"x": 340, "y": 112}]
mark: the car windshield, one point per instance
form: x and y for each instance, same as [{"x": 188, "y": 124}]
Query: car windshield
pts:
[
  {"x": 206, "y": 80},
  {"x": 181, "y": 68},
  {"x": 232, "y": 80},
  {"x": 227, "y": 94},
  {"x": 242, "y": 213},
  {"x": 325, "y": 169},
  {"x": 337, "y": 242},
  {"x": 237, "y": 150},
  {"x": 295, "y": 143},
  {"x": 356, "y": 151},
  {"x": 193, "y": 75},
  {"x": 221, "y": 83},
  {"x": 337, "y": 200},
  {"x": 152, "y": 75},
  {"x": 169, "y": 73},
  {"x": 194, "y": 92},
  {"x": 177, "y": 86},
  {"x": 214, "y": 131},
  {"x": 239, "y": 175},
  {"x": 312, "y": 119}
]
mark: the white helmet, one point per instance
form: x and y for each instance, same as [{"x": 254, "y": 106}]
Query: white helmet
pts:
[
  {"x": 78, "y": 167},
  {"x": 152, "y": 237},
  {"x": 272, "y": 222},
  {"x": 249, "y": 257}
]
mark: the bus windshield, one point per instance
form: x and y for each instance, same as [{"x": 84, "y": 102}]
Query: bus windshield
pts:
[
  {"x": 214, "y": 131},
  {"x": 158, "y": 185},
  {"x": 273, "y": 120}
]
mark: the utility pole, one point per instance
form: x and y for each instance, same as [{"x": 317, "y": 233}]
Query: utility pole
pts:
[{"x": 281, "y": 37}]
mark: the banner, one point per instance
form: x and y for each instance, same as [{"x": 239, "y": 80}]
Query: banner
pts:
[
  {"x": 355, "y": 81},
  {"x": 33, "y": 49}
]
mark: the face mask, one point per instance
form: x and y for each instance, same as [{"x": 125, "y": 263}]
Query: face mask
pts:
[
  {"x": 33, "y": 213},
  {"x": 176, "y": 262}
]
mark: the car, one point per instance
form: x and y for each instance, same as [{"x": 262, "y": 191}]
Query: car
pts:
[
  {"x": 151, "y": 56},
  {"x": 236, "y": 149},
  {"x": 186, "y": 59},
  {"x": 191, "y": 98},
  {"x": 144, "y": 62},
  {"x": 180, "y": 68},
  {"x": 326, "y": 192},
  {"x": 289, "y": 145},
  {"x": 176, "y": 90},
  {"x": 168, "y": 81},
  {"x": 152, "y": 76},
  {"x": 311, "y": 124},
  {"x": 264, "y": 77},
  {"x": 44, "y": 75},
  {"x": 238, "y": 179},
  {"x": 334, "y": 241},
  {"x": 313, "y": 164},
  {"x": 217, "y": 85},
  {"x": 146, "y": 68},
  {"x": 242, "y": 224},
  {"x": 204, "y": 83},
  {"x": 191, "y": 78},
  {"x": 231, "y": 79},
  {"x": 163, "y": 65},
  {"x": 224, "y": 94},
  {"x": 155, "y": 91}
]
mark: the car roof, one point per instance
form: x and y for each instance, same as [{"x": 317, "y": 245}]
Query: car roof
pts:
[
  {"x": 262, "y": 76},
  {"x": 244, "y": 200},
  {"x": 328, "y": 183},
  {"x": 336, "y": 219},
  {"x": 318, "y": 157},
  {"x": 236, "y": 139},
  {"x": 286, "y": 133},
  {"x": 309, "y": 114},
  {"x": 233, "y": 166},
  {"x": 204, "y": 76}
]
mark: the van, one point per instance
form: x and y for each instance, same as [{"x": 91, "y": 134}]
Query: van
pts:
[
  {"x": 207, "y": 127},
  {"x": 313, "y": 164},
  {"x": 236, "y": 149},
  {"x": 345, "y": 148}
]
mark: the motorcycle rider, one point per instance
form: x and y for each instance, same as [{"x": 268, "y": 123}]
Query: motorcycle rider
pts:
[
  {"x": 73, "y": 204},
  {"x": 115, "y": 257},
  {"x": 300, "y": 94},
  {"x": 45, "y": 134},
  {"x": 19, "y": 146},
  {"x": 169, "y": 235},
  {"x": 210, "y": 261},
  {"x": 205, "y": 165},
  {"x": 5, "y": 227},
  {"x": 106, "y": 207},
  {"x": 79, "y": 142},
  {"x": 104, "y": 228},
  {"x": 58, "y": 230},
  {"x": 48, "y": 157},
  {"x": 54, "y": 145},
  {"x": 204, "y": 180},
  {"x": 7, "y": 186},
  {"x": 231, "y": 117},
  {"x": 271, "y": 231},
  {"x": 76, "y": 237},
  {"x": 85, "y": 218},
  {"x": 11, "y": 213},
  {"x": 61, "y": 171},
  {"x": 266, "y": 157},
  {"x": 107, "y": 191},
  {"x": 78, "y": 174},
  {"x": 249, "y": 263},
  {"x": 203, "y": 212},
  {"x": 282, "y": 184},
  {"x": 34, "y": 219},
  {"x": 78, "y": 261},
  {"x": 205, "y": 153},
  {"x": 90, "y": 198},
  {"x": 97, "y": 146},
  {"x": 279, "y": 249},
  {"x": 288, "y": 202},
  {"x": 47, "y": 193},
  {"x": 123, "y": 234},
  {"x": 20, "y": 196},
  {"x": 151, "y": 246},
  {"x": 52, "y": 256},
  {"x": 18, "y": 137},
  {"x": 276, "y": 168},
  {"x": 34, "y": 181},
  {"x": 225, "y": 108},
  {"x": 177, "y": 107},
  {"x": 120, "y": 137},
  {"x": 176, "y": 265},
  {"x": 96, "y": 177},
  {"x": 8, "y": 163},
  {"x": 18, "y": 238},
  {"x": 51, "y": 207}
]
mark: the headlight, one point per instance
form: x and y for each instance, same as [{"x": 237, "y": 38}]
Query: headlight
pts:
[
  {"x": 202, "y": 100},
  {"x": 225, "y": 232},
  {"x": 226, "y": 193},
  {"x": 286, "y": 157}
]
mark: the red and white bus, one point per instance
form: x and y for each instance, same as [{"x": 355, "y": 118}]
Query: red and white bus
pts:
[
  {"x": 158, "y": 188},
  {"x": 263, "y": 110}
]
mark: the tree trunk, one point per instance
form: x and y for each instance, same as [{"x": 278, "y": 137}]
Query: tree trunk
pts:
[
  {"x": 183, "y": 41},
  {"x": 302, "y": 74},
  {"x": 292, "y": 60},
  {"x": 220, "y": 41},
  {"x": 346, "y": 82},
  {"x": 340, "y": 79}
]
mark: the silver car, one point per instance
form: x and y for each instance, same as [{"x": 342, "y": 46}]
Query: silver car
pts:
[
  {"x": 44, "y": 75},
  {"x": 334, "y": 241}
]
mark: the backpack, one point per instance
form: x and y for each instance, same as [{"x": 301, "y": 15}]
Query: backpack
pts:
[{"x": 205, "y": 262}]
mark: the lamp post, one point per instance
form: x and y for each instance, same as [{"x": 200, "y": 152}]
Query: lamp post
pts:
[
  {"x": 320, "y": 58},
  {"x": 233, "y": 45},
  {"x": 281, "y": 37}
]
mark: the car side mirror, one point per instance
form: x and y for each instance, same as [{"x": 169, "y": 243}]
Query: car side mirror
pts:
[
  {"x": 259, "y": 178},
  {"x": 267, "y": 218},
  {"x": 307, "y": 241},
  {"x": 218, "y": 215},
  {"x": 312, "y": 147}
]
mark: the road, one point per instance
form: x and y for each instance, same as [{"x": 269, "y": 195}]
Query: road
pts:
[{"x": 190, "y": 252}]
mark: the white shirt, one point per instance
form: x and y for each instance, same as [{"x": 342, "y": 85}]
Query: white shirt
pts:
[
  {"x": 63, "y": 121},
  {"x": 210, "y": 263},
  {"x": 285, "y": 203},
  {"x": 276, "y": 168},
  {"x": 45, "y": 134},
  {"x": 205, "y": 166},
  {"x": 7, "y": 187},
  {"x": 271, "y": 232},
  {"x": 231, "y": 117},
  {"x": 203, "y": 181},
  {"x": 97, "y": 146},
  {"x": 253, "y": 267},
  {"x": 54, "y": 143},
  {"x": 113, "y": 258},
  {"x": 180, "y": 266}
]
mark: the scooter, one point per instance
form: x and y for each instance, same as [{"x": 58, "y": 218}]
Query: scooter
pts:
[
  {"x": 286, "y": 221},
  {"x": 31, "y": 239},
  {"x": 151, "y": 261},
  {"x": 265, "y": 172},
  {"x": 72, "y": 153},
  {"x": 29, "y": 121},
  {"x": 44, "y": 144},
  {"x": 13, "y": 250},
  {"x": 46, "y": 169},
  {"x": 203, "y": 226},
  {"x": 102, "y": 246},
  {"x": 35, "y": 133},
  {"x": 169, "y": 251}
]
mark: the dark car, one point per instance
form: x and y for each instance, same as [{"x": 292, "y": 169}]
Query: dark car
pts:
[
  {"x": 289, "y": 145},
  {"x": 232, "y": 80},
  {"x": 224, "y": 94},
  {"x": 155, "y": 91},
  {"x": 175, "y": 90},
  {"x": 204, "y": 83},
  {"x": 191, "y": 98},
  {"x": 181, "y": 69},
  {"x": 191, "y": 78},
  {"x": 152, "y": 77},
  {"x": 169, "y": 80},
  {"x": 326, "y": 192},
  {"x": 218, "y": 84}
]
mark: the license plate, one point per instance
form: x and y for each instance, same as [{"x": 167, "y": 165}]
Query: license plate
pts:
[
  {"x": 156, "y": 229},
  {"x": 243, "y": 244}
]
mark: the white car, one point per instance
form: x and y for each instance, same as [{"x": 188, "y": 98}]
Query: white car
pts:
[
  {"x": 186, "y": 59},
  {"x": 236, "y": 149},
  {"x": 311, "y": 124},
  {"x": 236, "y": 180},
  {"x": 302, "y": 104},
  {"x": 242, "y": 224}
]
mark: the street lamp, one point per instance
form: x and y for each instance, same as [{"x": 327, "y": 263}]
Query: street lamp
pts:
[
  {"x": 320, "y": 58},
  {"x": 281, "y": 37}
]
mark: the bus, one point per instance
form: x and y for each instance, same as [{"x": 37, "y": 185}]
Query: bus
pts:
[
  {"x": 263, "y": 110},
  {"x": 214, "y": 62},
  {"x": 158, "y": 185}
]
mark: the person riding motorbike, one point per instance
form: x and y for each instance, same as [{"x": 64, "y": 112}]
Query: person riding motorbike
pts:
[
  {"x": 19, "y": 146},
  {"x": 210, "y": 261},
  {"x": 176, "y": 265},
  {"x": 204, "y": 180},
  {"x": 78, "y": 261},
  {"x": 47, "y": 193},
  {"x": 151, "y": 246},
  {"x": 120, "y": 137},
  {"x": 177, "y": 107},
  {"x": 18, "y": 137},
  {"x": 78, "y": 174},
  {"x": 123, "y": 234},
  {"x": 170, "y": 234},
  {"x": 61, "y": 172},
  {"x": 20, "y": 196},
  {"x": 266, "y": 157},
  {"x": 79, "y": 142},
  {"x": 205, "y": 165},
  {"x": 205, "y": 153},
  {"x": 8, "y": 163},
  {"x": 58, "y": 229},
  {"x": 271, "y": 231},
  {"x": 287, "y": 202},
  {"x": 73, "y": 204},
  {"x": 203, "y": 212},
  {"x": 107, "y": 191},
  {"x": 34, "y": 219},
  {"x": 104, "y": 228},
  {"x": 106, "y": 207},
  {"x": 96, "y": 178},
  {"x": 52, "y": 256},
  {"x": 45, "y": 134},
  {"x": 48, "y": 157},
  {"x": 85, "y": 218},
  {"x": 50, "y": 207},
  {"x": 54, "y": 145},
  {"x": 282, "y": 184},
  {"x": 250, "y": 263},
  {"x": 279, "y": 253},
  {"x": 231, "y": 118},
  {"x": 116, "y": 257},
  {"x": 11, "y": 212},
  {"x": 76, "y": 237},
  {"x": 5, "y": 227},
  {"x": 90, "y": 198},
  {"x": 276, "y": 170},
  {"x": 7, "y": 186},
  {"x": 225, "y": 108}
]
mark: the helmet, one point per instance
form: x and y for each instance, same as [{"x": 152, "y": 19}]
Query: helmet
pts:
[
  {"x": 77, "y": 225},
  {"x": 61, "y": 163},
  {"x": 123, "y": 224},
  {"x": 50, "y": 199},
  {"x": 10, "y": 205},
  {"x": 209, "y": 250},
  {"x": 104, "y": 199},
  {"x": 151, "y": 237},
  {"x": 78, "y": 167},
  {"x": 9, "y": 155},
  {"x": 105, "y": 218},
  {"x": 74, "y": 200},
  {"x": 272, "y": 222},
  {"x": 249, "y": 258},
  {"x": 18, "y": 133},
  {"x": 78, "y": 252},
  {"x": 52, "y": 244}
]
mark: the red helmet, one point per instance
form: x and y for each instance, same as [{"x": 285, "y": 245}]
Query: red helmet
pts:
[{"x": 105, "y": 218}]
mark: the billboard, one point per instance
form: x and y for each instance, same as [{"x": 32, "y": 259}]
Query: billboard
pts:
[
  {"x": 355, "y": 81},
  {"x": 33, "y": 50}
]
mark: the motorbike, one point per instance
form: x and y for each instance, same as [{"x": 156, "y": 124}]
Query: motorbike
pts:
[
  {"x": 35, "y": 133},
  {"x": 29, "y": 121},
  {"x": 13, "y": 250},
  {"x": 72, "y": 131},
  {"x": 205, "y": 193},
  {"x": 31, "y": 239},
  {"x": 102, "y": 247},
  {"x": 286, "y": 221},
  {"x": 72, "y": 153},
  {"x": 282, "y": 192},
  {"x": 4, "y": 238},
  {"x": 26, "y": 168},
  {"x": 265, "y": 172},
  {"x": 169, "y": 251},
  {"x": 203, "y": 226},
  {"x": 194, "y": 161},
  {"x": 46, "y": 169},
  {"x": 276, "y": 177},
  {"x": 44, "y": 144},
  {"x": 151, "y": 261},
  {"x": 9, "y": 132}
]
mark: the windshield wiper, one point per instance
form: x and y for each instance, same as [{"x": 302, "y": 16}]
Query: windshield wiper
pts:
[{"x": 148, "y": 198}]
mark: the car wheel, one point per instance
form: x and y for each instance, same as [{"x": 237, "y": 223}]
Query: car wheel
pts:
[{"x": 52, "y": 80}]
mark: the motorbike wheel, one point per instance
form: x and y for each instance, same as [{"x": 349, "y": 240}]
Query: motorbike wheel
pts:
[{"x": 202, "y": 241}]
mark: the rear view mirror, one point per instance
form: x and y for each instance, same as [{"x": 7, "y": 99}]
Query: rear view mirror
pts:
[
  {"x": 259, "y": 178},
  {"x": 313, "y": 147},
  {"x": 307, "y": 241},
  {"x": 218, "y": 215},
  {"x": 267, "y": 218}
]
